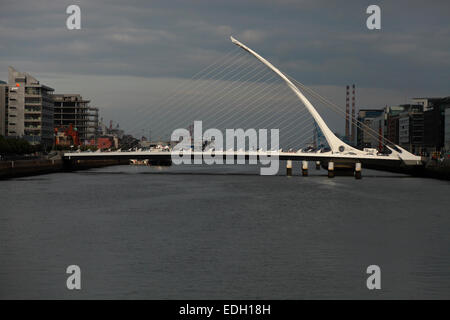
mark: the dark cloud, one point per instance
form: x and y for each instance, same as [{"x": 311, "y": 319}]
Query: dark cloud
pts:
[{"x": 321, "y": 43}]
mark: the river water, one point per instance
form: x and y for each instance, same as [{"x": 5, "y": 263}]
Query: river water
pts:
[{"x": 223, "y": 232}]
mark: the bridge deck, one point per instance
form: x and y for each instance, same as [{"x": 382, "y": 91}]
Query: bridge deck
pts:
[{"x": 167, "y": 155}]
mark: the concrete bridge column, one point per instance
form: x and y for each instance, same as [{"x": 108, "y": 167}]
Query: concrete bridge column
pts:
[
  {"x": 317, "y": 165},
  {"x": 304, "y": 168},
  {"x": 289, "y": 168},
  {"x": 330, "y": 169},
  {"x": 358, "y": 170}
]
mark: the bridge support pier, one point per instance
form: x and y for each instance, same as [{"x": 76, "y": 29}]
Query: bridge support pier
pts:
[
  {"x": 289, "y": 168},
  {"x": 331, "y": 169},
  {"x": 358, "y": 170},
  {"x": 317, "y": 165},
  {"x": 304, "y": 168}
]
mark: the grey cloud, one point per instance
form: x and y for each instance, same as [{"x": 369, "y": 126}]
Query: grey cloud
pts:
[{"x": 321, "y": 43}]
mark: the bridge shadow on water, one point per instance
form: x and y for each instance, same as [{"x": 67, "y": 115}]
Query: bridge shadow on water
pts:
[{"x": 217, "y": 172}]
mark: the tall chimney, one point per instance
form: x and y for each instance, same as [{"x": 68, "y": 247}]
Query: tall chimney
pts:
[
  {"x": 353, "y": 116},
  {"x": 347, "y": 113}
]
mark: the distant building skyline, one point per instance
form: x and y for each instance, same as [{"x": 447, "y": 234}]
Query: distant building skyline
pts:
[{"x": 421, "y": 126}]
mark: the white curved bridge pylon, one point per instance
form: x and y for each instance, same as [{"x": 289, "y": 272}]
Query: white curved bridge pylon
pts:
[
  {"x": 339, "y": 149},
  {"x": 337, "y": 146}
]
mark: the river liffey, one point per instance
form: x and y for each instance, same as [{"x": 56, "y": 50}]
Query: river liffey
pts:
[{"x": 223, "y": 232}]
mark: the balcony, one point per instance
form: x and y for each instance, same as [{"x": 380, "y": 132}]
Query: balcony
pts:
[{"x": 33, "y": 127}]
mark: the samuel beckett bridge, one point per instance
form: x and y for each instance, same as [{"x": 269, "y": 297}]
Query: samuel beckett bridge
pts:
[{"x": 244, "y": 90}]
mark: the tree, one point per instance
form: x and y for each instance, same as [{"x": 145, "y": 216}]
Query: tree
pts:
[{"x": 15, "y": 146}]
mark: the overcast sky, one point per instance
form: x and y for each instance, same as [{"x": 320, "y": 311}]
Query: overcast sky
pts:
[{"x": 129, "y": 52}]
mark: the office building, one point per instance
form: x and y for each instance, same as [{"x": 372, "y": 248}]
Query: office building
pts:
[
  {"x": 447, "y": 129},
  {"x": 434, "y": 122},
  {"x": 411, "y": 128},
  {"x": 3, "y": 108},
  {"x": 29, "y": 109},
  {"x": 370, "y": 132},
  {"x": 73, "y": 110},
  {"x": 391, "y": 132}
]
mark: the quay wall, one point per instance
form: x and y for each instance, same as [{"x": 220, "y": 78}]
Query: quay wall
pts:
[
  {"x": 22, "y": 168},
  {"x": 430, "y": 169}
]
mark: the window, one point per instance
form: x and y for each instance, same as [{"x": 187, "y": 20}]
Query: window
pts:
[
  {"x": 33, "y": 90},
  {"x": 32, "y": 100},
  {"x": 32, "y": 109}
]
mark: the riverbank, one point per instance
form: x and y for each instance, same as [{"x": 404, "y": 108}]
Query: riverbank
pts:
[
  {"x": 431, "y": 169},
  {"x": 437, "y": 169},
  {"x": 22, "y": 168}
]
